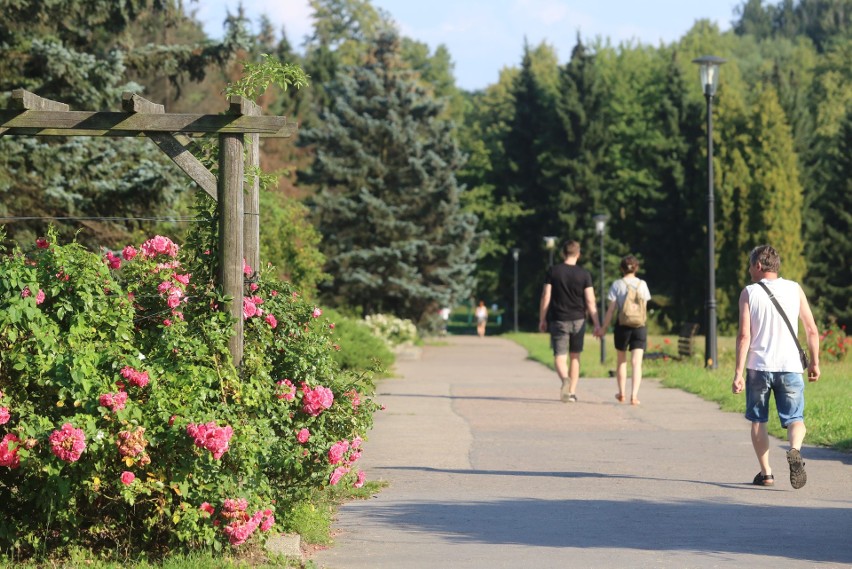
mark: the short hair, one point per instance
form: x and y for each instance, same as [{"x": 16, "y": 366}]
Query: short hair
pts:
[
  {"x": 767, "y": 256},
  {"x": 629, "y": 264},
  {"x": 570, "y": 248}
]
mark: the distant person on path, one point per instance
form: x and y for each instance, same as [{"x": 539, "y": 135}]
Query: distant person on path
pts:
[
  {"x": 771, "y": 358},
  {"x": 628, "y": 296},
  {"x": 481, "y": 318},
  {"x": 445, "y": 320},
  {"x": 566, "y": 298}
]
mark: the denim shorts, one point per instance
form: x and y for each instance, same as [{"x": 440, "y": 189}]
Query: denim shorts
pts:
[
  {"x": 567, "y": 336},
  {"x": 789, "y": 390}
]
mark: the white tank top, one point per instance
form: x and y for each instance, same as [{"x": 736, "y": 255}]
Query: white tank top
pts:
[{"x": 772, "y": 347}]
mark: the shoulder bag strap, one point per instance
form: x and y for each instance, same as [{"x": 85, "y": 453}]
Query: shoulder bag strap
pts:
[{"x": 783, "y": 315}]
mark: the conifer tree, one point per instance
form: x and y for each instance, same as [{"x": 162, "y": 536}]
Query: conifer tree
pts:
[{"x": 388, "y": 205}]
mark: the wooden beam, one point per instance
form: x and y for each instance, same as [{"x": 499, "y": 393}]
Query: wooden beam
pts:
[
  {"x": 171, "y": 146},
  {"x": 86, "y": 123},
  {"x": 181, "y": 156},
  {"x": 23, "y": 99},
  {"x": 230, "y": 271},
  {"x": 133, "y": 103}
]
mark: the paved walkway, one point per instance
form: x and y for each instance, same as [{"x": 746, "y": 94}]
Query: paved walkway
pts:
[{"x": 487, "y": 469}]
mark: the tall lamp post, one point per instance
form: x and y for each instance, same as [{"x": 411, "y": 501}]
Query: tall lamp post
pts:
[
  {"x": 600, "y": 229},
  {"x": 515, "y": 253},
  {"x": 550, "y": 245},
  {"x": 709, "y": 66}
]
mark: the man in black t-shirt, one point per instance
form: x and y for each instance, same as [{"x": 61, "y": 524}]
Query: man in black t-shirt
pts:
[{"x": 566, "y": 298}]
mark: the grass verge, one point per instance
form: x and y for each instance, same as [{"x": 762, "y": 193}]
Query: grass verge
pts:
[{"x": 828, "y": 411}]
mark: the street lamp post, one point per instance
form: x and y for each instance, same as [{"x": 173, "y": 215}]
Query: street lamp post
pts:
[
  {"x": 709, "y": 66},
  {"x": 550, "y": 245},
  {"x": 515, "y": 253},
  {"x": 600, "y": 229}
]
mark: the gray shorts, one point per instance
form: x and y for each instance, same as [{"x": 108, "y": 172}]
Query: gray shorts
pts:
[{"x": 567, "y": 336}]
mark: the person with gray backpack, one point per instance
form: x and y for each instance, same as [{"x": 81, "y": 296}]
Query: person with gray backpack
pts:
[{"x": 629, "y": 296}]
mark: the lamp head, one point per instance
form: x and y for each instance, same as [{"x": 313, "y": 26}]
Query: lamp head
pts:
[
  {"x": 709, "y": 71},
  {"x": 600, "y": 222}
]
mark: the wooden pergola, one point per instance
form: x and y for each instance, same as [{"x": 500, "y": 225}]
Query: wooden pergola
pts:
[{"x": 239, "y": 130}]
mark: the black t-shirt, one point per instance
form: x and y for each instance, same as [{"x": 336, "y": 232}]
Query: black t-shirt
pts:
[{"x": 567, "y": 293}]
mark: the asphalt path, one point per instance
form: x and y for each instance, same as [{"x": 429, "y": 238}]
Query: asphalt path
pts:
[{"x": 486, "y": 468}]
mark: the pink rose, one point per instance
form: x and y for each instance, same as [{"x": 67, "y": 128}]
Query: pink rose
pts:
[
  {"x": 337, "y": 451},
  {"x": 317, "y": 312},
  {"x": 42, "y": 243},
  {"x": 210, "y": 436},
  {"x": 68, "y": 443},
  {"x": 127, "y": 478},
  {"x": 9, "y": 451},
  {"x": 40, "y": 296},
  {"x": 183, "y": 279},
  {"x": 159, "y": 245},
  {"x": 206, "y": 507},
  {"x": 315, "y": 401},
  {"x": 253, "y": 287},
  {"x": 4, "y": 415},
  {"x": 289, "y": 390},
  {"x": 249, "y": 308},
  {"x": 128, "y": 253},
  {"x": 246, "y": 269},
  {"x": 303, "y": 436},
  {"x": 270, "y": 319},
  {"x": 113, "y": 261},
  {"x": 361, "y": 477},
  {"x": 26, "y": 292},
  {"x": 338, "y": 473}
]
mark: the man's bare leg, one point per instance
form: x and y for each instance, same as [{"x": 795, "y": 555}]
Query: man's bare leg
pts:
[{"x": 760, "y": 442}]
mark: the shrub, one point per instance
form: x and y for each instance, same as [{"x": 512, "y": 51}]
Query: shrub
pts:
[
  {"x": 393, "y": 330},
  {"x": 126, "y": 426},
  {"x": 359, "y": 349}
]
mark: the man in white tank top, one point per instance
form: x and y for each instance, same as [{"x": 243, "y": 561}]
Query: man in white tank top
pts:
[{"x": 769, "y": 354}]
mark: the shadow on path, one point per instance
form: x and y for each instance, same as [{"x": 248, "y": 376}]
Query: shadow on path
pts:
[{"x": 810, "y": 534}]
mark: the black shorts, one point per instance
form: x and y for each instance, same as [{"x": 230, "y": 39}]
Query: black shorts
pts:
[
  {"x": 567, "y": 336},
  {"x": 627, "y": 338}
]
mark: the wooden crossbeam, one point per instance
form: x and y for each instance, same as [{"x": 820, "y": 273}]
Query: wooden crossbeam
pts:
[
  {"x": 171, "y": 146},
  {"x": 105, "y": 123}
]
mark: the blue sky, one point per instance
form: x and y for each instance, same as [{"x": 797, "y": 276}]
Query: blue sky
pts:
[{"x": 483, "y": 36}]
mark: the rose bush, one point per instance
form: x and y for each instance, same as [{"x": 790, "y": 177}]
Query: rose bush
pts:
[{"x": 125, "y": 425}]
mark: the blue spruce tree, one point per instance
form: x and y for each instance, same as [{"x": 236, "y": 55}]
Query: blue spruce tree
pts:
[{"x": 387, "y": 199}]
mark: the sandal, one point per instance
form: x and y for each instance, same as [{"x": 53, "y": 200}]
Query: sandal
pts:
[
  {"x": 798, "y": 476},
  {"x": 763, "y": 480},
  {"x": 620, "y": 397}
]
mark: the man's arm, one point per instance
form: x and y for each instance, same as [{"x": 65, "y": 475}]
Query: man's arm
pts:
[
  {"x": 542, "y": 309},
  {"x": 743, "y": 342},
  {"x": 812, "y": 333},
  {"x": 592, "y": 309}
]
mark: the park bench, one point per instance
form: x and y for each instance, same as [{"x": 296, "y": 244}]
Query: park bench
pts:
[{"x": 685, "y": 348}]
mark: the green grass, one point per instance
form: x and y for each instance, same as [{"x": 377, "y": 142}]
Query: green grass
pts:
[{"x": 828, "y": 411}]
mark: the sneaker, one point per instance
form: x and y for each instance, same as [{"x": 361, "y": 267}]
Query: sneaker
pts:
[
  {"x": 763, "y": 480},
  {"x": 572, "y": 398},
  {"x": 798, "y": 476}
]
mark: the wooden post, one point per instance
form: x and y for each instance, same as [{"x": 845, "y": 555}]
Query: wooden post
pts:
[
  {"x": 230, "y": 189},
  {"x": 252, "y": 196}
]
